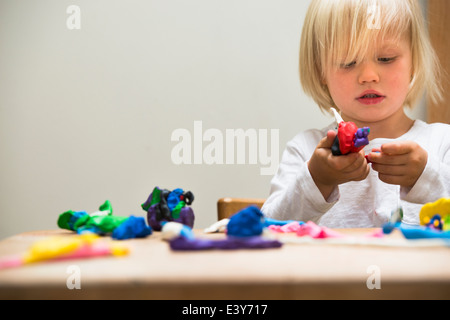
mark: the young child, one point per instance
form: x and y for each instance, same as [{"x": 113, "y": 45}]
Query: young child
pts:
[{"x": 369, "y": 60}]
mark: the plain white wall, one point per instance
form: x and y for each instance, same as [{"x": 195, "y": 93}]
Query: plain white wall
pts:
[{"x": 87, "y": 115}]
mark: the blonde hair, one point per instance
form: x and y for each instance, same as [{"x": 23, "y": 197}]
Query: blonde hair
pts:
[{"x": 346, "y": 28}]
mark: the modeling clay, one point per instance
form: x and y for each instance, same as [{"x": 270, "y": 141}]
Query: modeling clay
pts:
[
  {"x": 67, "y": 247},
  {"x": 286, "y": 228},
  {"x": 416, "y": 232},
  {"x": 251, "y": 221},
  {"x": 349, "y": 137},
  {"x": 436, "y": 214},
  {"x": 420, "y": 232},
  {"x": 133, "y": 227},
  {"x": 434, "y": 220},
  {"x": 103, "y": 222},
  {"x": 274, "y": 222},
  {"x": 104, "y": 210},
  {"x": 164, "y": 205},
  {"x": 72, "y": 219},
  {"x": 172, "y": 230},
  {"x": 219, "y": 226},
  {"x": 394, "y": 220},
  {"x": 181, "y": 237},
  {"x": 317, "y": 232},
  {"x": 245, "y": 223},
  {"x": 378, "y": 233},
  {"x": 256, "y": 242}
]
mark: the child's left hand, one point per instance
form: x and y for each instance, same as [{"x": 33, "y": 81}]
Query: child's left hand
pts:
[{"x": 400, "y": 162}]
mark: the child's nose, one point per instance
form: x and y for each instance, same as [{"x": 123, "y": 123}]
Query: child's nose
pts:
[{"x": 368, "y": 73}]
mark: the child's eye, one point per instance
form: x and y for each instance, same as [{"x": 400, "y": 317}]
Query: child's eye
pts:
[
  {"x": 386, "y": 60},
  {"x": 347, "y": 65}
]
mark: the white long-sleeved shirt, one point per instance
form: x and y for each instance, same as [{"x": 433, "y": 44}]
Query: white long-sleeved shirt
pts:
[{"x": 367, "y": 203}]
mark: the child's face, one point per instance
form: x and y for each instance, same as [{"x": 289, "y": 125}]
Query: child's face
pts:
[{"x": 375, "y": 88}]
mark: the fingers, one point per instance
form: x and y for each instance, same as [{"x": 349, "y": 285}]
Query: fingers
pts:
[
  {"x": 359, "y": 169},
  {"x": 398, "y": 148},
  {"x": 388, "y": 159},
  {"x": 399, "y": 163},
  {"x": 352, "y": 166},
  {"x": 397, "y": 178},
  {"x": 327, "y": 141},
  {"x": 393, "y": 153},
  {"x": 345, "y": 163},
  {"x": 391, "y": 169},
  {"x": 329, "y": 171},
  {"x": 386, "y": 169}
]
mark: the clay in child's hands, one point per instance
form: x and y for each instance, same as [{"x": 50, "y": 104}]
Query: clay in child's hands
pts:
[
  {"x": 362, "y": 137},
  {"x": 349, "y": 137}
]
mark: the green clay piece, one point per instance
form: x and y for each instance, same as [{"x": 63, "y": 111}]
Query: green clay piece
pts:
[
  {"x": 446, "y": 224},
  {"x": 177, "y": 209},
  {"x": 156, "y": 198},
  {"x": 106, "y": 207},
  {"x": 66, "y": 218},
  {"x": 104, "y": 223},
  {"x": 81, "y": 221},
  {"x": 63, "y": 220}
]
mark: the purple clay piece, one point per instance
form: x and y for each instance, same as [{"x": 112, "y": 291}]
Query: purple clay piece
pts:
[
  {"x": 230, "y": 243},
  {"x": 362, "y": 137}
]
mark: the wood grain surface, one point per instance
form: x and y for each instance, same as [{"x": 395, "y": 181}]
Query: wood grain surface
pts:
[{"x": 317, "y": 270}]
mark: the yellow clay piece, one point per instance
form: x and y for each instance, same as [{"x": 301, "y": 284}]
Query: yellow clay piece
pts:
[
  {"x": 441, "y": 207},
  {"x": 119, "y": 250},
  {"x": 56, "y": 246}
]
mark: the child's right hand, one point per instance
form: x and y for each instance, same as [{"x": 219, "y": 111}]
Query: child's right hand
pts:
[{"x": 329, "y": 171}]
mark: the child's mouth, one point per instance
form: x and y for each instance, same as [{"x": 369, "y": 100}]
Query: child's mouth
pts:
[{"x": 370, "y": 98}]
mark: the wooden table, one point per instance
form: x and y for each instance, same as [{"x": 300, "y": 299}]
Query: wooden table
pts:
[{"x": 317, "y": 270}]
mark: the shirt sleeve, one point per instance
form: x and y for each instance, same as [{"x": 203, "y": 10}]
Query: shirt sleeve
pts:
[
  {"x": 434, "y": 182},
  {"x": 294, "y": 195}
]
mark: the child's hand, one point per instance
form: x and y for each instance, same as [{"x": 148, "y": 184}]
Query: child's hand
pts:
[
  {"x": 399, "y": 163},
  {"x": 329, "y": 171}
]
